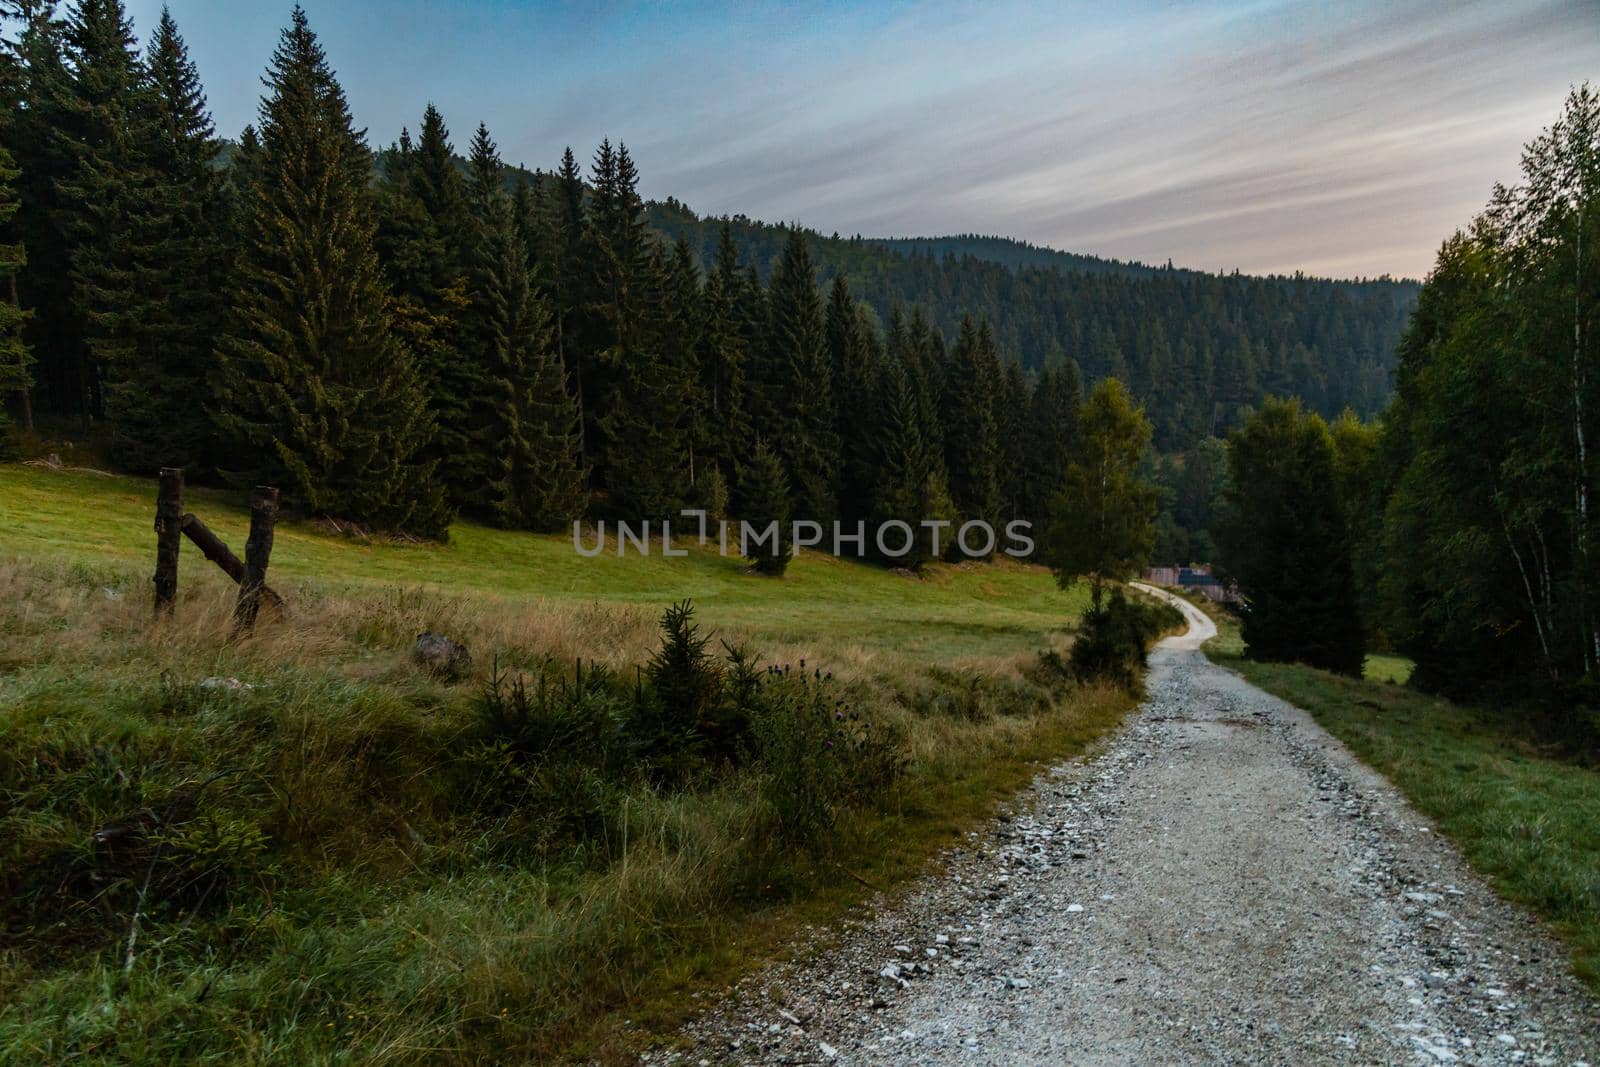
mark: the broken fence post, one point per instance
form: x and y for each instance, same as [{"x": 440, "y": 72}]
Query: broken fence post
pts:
[
  {"x": 211, "y": 546},
  {"x": 257, "y": 551},
  {"x": 169, "y": 520}
]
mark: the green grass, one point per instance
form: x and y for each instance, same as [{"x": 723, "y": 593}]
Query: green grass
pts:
[
  {"x": 953, "y": 611},
  {"x": 375, "y": 908},
  {"x": 1381, "y": 668},
  {"x": 1528, "y": 820}
]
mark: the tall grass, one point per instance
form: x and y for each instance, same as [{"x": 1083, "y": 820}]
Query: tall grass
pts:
[{"x": 324, "y": 862}]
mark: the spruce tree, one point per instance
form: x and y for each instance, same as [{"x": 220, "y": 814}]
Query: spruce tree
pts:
[
  {"x": 908, "y": 486},
  {"x": 645, "y": 424},
  {"x": 636, "y": 392},
  {"x": 35, "y": 85},
  {"x": 851, "y": 367},
  {"x": 436, "y": 183},
  {"x": 679, "y": 336},
  {"x": 152, "y": 298},
  {"x": 566, "y": 253},
  {"x": 425, "y": 237},
  {"x": 1050, "y": 433},
  {"x": 798, "y": 383},
  {"x": 1285, "y": 543},
  {"x": 723, "y": 352},
  {"x": 764, "y": 489},
  {"x": 315, "y": 389},
  {"x": 971, "y": 445},
  {"x": 99, "y": 189},
  {"x": 525, "y": 421},
  {"x": 16, "y": 359},
  {"x": 1102, "y": 521},
  {"x": 1010, "y": 423}
]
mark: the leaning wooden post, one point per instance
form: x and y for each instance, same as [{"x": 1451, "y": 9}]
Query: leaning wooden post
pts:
[
  {"x": 169, "y": 523},
  {"x": 257, "y": 551},
  {"x": 212, "y": 548}
]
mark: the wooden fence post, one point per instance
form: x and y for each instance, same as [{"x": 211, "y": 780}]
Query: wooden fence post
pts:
[
  {"x": 212, "y": 548},
  {"x": 257, "y": 551},
  {"x": 169, "y": 518}
]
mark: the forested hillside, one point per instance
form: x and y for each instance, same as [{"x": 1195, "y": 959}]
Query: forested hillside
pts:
[
  {"x": 401, "y": 336},
  {"x": 1196, "y": 348}
]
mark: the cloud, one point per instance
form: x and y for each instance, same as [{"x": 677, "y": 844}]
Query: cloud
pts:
[{"x": 1263, "y": 134}]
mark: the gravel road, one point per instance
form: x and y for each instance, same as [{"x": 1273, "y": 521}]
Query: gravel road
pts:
[{"x": 1223, "y": 882}]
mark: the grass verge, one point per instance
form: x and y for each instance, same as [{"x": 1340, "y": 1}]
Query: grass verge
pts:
[
  {"x": 1525, "y": 819},
  {"x": 323, "y": 863}
]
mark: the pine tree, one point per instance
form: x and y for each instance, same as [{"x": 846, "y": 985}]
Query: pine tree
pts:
[
  {"x": 764, "y": 488},
  {"x": 851, "y": 368},
  {"x": 525, "y": 419},
  {"x": 16, "y": 359},
  {"x": 1051, "y": 432},
  {"x": 423, "y": 237},
  {"x": 1010, "y": 421},
  {"x": 798, "y": 383},
  {"x": 152, "y": 297},
  {"x": 566, "y": 253},
  {"x": 315, "y": 389},
  {"x": 1285, "y": 543},
  {"x": 1102, "y": 521},
  {"x": 35, "y": 85},
  {"x": 679, "y": 336},
  {"x": 100, "y": 188},
  {"x": 636, "y": 390},
  {"x": 908, "y": 487},
  {"x": 723, "y": 352},
  {"x": 971, "y": 445},
  {"x": 645, "y": 423},
  {"x": 436, "y": 183}
]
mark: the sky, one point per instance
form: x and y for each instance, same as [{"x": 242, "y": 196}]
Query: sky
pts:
[{"x": 1342, "y": 139}]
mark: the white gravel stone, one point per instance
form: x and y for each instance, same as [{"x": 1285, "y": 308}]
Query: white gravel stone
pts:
[{"x": 1272, "y": 907}]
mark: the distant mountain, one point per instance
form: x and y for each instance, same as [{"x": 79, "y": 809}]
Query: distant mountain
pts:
[
  {"x": 1009, "y": 252},
  {"x": 1196, "y": 348}
]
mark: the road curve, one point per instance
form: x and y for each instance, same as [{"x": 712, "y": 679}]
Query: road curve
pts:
[{"x": 1222, "y": 883}]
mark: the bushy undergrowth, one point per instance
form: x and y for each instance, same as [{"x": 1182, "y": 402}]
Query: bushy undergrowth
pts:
[
  {"x": 301, "y": 847},
  {"x": 1113, "y": 642}
]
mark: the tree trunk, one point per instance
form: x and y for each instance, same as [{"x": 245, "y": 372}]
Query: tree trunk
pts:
[
  {"x": 257, "y": 551},
  {"x": 169, "y": 521}
]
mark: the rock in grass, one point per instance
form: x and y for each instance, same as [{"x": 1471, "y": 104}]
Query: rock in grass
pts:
[{"x": 442, "y": 657}]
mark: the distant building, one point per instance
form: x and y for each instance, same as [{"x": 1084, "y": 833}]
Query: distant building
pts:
[{"x": 1199, "y": 578}]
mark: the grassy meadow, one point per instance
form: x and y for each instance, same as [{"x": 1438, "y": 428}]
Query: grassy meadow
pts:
[
  {"x": 1526, "y": 818},
  {"x": 346, "y": 859}
]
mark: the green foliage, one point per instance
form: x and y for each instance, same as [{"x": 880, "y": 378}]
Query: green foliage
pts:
[
  {"x": 818, "y": 754},
  {"x": 16, "y": 356},
  {"x": 1489, "y": 567},
  {"x": 1101, "y": 521},
  {"x": 764, "y": 505},
  {"x": 972, "y": 452},
  {"x": 1284, "y": 542},
  {"x": 1113, "y": 639},
  {"x": 523, "y": 442},
  {"x": 795, "y": 401},
  {"x": 1197, "y": 349},
  {"x": 152, "y": 289},
  {"x": 313, "y": 383}
]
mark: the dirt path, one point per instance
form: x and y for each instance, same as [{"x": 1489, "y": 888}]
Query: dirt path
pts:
[{"x": 1224, "y": 882}]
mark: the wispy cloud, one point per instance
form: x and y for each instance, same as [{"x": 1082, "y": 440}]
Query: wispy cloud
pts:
[{"x": 1264, "y": 135}]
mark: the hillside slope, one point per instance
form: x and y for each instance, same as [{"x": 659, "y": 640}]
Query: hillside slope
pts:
[{"x": 1195, "y": 348}]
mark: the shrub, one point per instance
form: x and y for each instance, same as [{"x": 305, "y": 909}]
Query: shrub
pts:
[
  {"x": 817, "y": 753},
  {"x": 1112, "y": 642}
]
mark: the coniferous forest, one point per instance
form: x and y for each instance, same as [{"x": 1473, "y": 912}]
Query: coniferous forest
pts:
[{"x": 399, "y": 336}]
